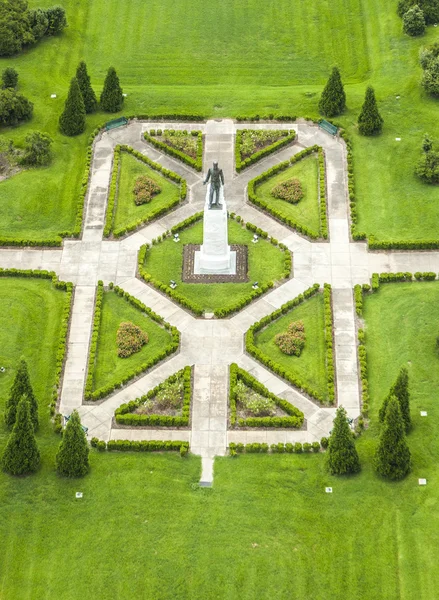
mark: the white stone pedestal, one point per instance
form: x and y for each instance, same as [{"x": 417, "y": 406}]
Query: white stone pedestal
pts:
[{"x": 215, "y": 256}]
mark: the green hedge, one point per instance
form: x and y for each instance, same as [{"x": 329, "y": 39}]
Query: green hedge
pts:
[
  {"x": 143, "y": 446},
  {"x": 166, "y": 351},
  {"x": 125, "y": 416},
  {"x": 294, "y": 420},
  {"x": 329, "y": 341},
  {"x": 402, "y": 245},
  {"x": 109, "y": 218},
  {"x": 269, "y": 117},
  {"x": 356, "y": 235},
  {"x": 252, "y": 196},
  {"x": 289, "y": 137},
  {"x": 196, "y": 163},
  {"x": 362, "y": 360},
  {"x": 169, "y": 117},
  {"x": 280, "y": 448}
]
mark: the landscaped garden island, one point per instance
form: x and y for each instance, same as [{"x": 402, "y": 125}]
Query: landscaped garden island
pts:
[{"x": 136, "y": 388}]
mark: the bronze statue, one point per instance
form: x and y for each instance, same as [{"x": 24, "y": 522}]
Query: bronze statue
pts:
[{"x": 216, "y": 177}]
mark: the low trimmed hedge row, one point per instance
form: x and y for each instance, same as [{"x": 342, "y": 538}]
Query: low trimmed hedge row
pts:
[
  {"x": 142, "y": 446},
  {"x": 323, "y": 195},
  {"x": 168, "y": 117},
  {"x": 358, "y": 297},
  {"x": 374, "y": 244},
  {"x": 280, "y": 448},
  {"x": 356, "y": 235},
  {"x": 329, "y": 341},
  {"x": 294, "y": 420},
  {"x": 196, "y": 163},
  {"x": 269, "y": 117},
  {"x": 114, "y": 186},
  {"x": 166, "y": 351},
  {"x": 288, "y": 138},
  {"x": 362, "y": 360},
  {"x": 125, "y": 416}
]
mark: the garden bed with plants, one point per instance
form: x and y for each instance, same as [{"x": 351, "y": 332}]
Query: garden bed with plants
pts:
[
  {"x": 253, "y": 144},
  {"x": 184, "y": 145}
]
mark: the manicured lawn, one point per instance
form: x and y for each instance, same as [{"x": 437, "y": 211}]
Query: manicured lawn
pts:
[
  {"x": 310, "y": 366},
  {"x": 265, "y": 261},
  {"x": 127, "y": 212},
  {"x": 306, "y": 212},
  {"x": 109, "y": 367}
]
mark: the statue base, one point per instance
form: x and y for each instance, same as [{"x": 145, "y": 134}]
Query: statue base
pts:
[{"x": 214, "y": 265}]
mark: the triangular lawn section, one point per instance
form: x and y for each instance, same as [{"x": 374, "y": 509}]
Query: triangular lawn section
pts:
[
  {"x": 109, "y": 368},
  {"x": 310, "y": 367},
  {"x": 306, "y": 212},
  {"x": 127, "y": 213}
]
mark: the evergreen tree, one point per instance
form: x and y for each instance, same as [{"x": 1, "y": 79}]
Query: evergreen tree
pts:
[
  {"x": 21, "y": 387},
  {"x": 370, "y": 121},
  {"x": 21, "y": 455},
  {"x": 9, "y": 78},
  {"x": 342, "y": 454},
  {"x": 88, "y": 95},
  {"x": 392, "y": 458},
  {"x": 427, "y": 143},
  {"x": 333, "y": 99},
  {"x": 413, "y": 21},
  {"x": 72, "y": 120},
  {"x": 400, "y": 390},
  {"x": 112, "y": 97},
  {"x": 72, "y": 457}
]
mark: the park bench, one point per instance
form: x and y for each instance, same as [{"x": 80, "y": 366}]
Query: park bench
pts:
[
  {"x": 116, "y": 123},
  {"x": 67, "y": 418},
  {"x": 329, "y": 127}
]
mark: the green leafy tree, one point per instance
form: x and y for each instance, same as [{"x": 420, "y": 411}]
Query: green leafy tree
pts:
[
  {"x": 39, "y": 23},
  {"x": 72, "y": 120},
  {"x": 342, "y": 454},
  {"x": 88, "y": 95},
  {"x": 427, "y": 168},
  {"x": 56, "y": 16},
  {"x": 333, "y": 99},
  {"x": 430, "y": 78},
  {"x": 392, "y": 458},
  {"x": 427, "y": 143},
  {"x": 430, "y": 8},
  {"x": 112, "y": 97},
  {"x": 399, "y": 390},
  {"x": 9, "y": 78},
  {"x": 370, "y": 121},
  {"x": 15, "y": 29},
  {"x": 413, "y": 22},
  {"x": 14, "y": 107},
  {"x": 21, "y": 455},
  {"x": 37, "y": 149},
  {"x": 72, "y": 457},
  {"x": 21, "y": 387}
]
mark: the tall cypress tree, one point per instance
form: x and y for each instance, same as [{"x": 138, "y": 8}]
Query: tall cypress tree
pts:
[
  {"x": 400, "y": 389},
  {"x": 392, "y": 458},
  {"x": 112, "y": 97},
  {"x": 72, "y": 457},
  {"x": 21, "y": 387},
  {"x": 21, "y": 455},
  {"x": 88, "y": 95},
  {"x": 370, "y": 121},
  {"x": 342, "y": 454},
  {"x": 72, "y": 120},
  {"x": 333, "y": 99}
]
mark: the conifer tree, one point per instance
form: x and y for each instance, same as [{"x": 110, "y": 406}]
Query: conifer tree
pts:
[
  {"x": 342, "y": 454},
  {"x": 400, "y": 389},
  {"x": 370, "y": 121},
  {"x": 111, "y": 97},
  {"x": 21, "y": 455},
  {"x": 333, "y": 99},
  {"x": 21, "y": 387},
  {"x": 392, "y": 458},
  {"x": 72, "y": 120},
  {"x": 88, "y": 95},
  {"x": 72, "y": 457}
]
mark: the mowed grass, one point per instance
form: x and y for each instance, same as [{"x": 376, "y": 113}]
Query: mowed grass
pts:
[
  {"x": 310, "y": 366},
  {"x": 110, "y": 368},
  {"x": 164, "y": 262},
  {"x": 127, "y": 212},
  {"x": 306, "y": 212}
]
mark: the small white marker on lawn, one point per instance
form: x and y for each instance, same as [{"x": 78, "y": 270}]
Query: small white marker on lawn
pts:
[
  {"x": 423, "y": 413},
  {"x": 397, "y": 139},
  {"x": 124, "y": 95},
  {"x": 328, "y": 490},
  {"x": 78, "y": 495},
  {"x": 53, "y": 95},
  {"x": 422, "y": 481}
]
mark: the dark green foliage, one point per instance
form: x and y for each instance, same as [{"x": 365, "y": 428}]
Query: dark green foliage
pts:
[
  {"x": 21, "y": 387},
  {"x": 56, "y": 16},
  {"x": 21, "y": 455},
  {"x": 427, "y": 168},
  {"x": 14, "y": 26},
  {"x": 88, "y": 95},
  {"x": 39, "y": 23},
  {"x": 399, "y": 390},
  {"x": 14, "y": 107},
  {"x": 430, "y": 77},
  {"x": 72, "y": 457},
  {"x": 333, "y": 99},
  {"x": 72, "y": 120},
  {"x": 111, "y": 97},
  {"x": 413, "y": 21},
  {"x": 37, "y": 149},
  {"x": 370, "y": 121},
  {"x": 427, "y": 143},
  {"x": 9, "y": 78},
  {"x": 392, "y": 459},
  {"x": 430, "y": 8},
  {"x": 342, "y": 453}
]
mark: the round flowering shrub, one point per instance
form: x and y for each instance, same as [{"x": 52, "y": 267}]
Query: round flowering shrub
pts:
[
  {"x": 289, "y": 190},
  {"x": 130, "y": 339},
  {"x": 145, "y": 189},
  {"x": 292, "y": 341}
]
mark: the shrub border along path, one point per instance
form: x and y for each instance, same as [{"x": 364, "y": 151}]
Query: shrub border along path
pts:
[{"x": 213, "y": 345}]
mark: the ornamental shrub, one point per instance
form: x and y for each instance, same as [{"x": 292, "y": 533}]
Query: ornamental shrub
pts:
[
  {"x": 430, "y": 78},
  {"x": 39, "y": 23},
  {"x": 333, "y": 99},
  {"x": 290, "y": 190},
  {"x": 130, "y": 339},
  {"x": 111, "y": 97},
  {"x": 392, "y": 458},
  {"x": 292, "y": 342},
  {"x": 14, "y": 107},
  {"x": 145, "y": 189},
  {"x": 430, "y": 9},
  {"x": 21, "y": 455},
  {"x": 88, "y": 95},
  {"x": 37, "y": 148},
  {"x": 72, "y": 456},
  {"x": 9, "y": 78},
  {"x": 72, "y": 120},
  {"x": 399, "y": 390},
  {"x": 370, "y": 121},
  {"x": 21, "y": 387},
  {"x": 56, "y": 16},
  {"x": 14, "y": 27},
  {"x": 342, "y": 454},
  {"x": 427, "y": 168},
  {"x": 413, "y": 21}
]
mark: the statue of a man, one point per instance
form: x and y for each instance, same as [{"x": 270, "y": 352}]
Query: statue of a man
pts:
[{"x": 216, "y": 177}]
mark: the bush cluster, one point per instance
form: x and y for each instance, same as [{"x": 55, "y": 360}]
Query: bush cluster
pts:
[
  {"x": 144, "y": 446},
  {"x": 130, "y": 339},
  {"x": 9, "y": 78},
  {"x": 358, "y": 297},
  {"x": 329, "y": 342},
  {"x": 179, "y": 144},
  {"x": 356, "y": 235},
  {"x": 429, "y": 8},
  {"x": 413, "y": 21},
  {"x": 429, "y": 59},
  {"x": 145, "y": 189},
  {"x": 290, "y": 190},
  {"x": 250, "y": 139},
  {"x": 292, "y": 341},
  {"x": 279, "y": 448},
  {"x": 427, "y": 167},
  {"x": 14, "y": 107}
]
